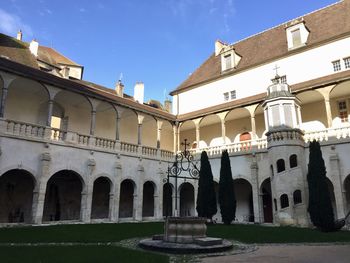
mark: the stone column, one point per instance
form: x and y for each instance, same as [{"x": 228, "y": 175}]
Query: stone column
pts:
[
  {"x": 93, "y": 122},
  {"x": 222, "y": 116},
  {"x": 251, "y": 110},
  {"x": 159, "y": 132},
  {"x": 255, "y": 191},
  {"x": 117, "y": 128},
  {"x": 116, "y": 196},
  {"x": 86, "y": 195},
  {"x": 139, "y": 128},
  {"x": 325, "y": 93},
  {"x": 138, "y": 194},
  {"x": 49, "y": 113},
  {"x": 7, "y": 81},
  {"x": 337, "y": 183},
  {"x": 40, "y": 190},
  {"x": 176, "y": 137}
]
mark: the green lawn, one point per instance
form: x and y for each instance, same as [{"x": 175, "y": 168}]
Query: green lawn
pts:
[{"x": 104, "y": 233}]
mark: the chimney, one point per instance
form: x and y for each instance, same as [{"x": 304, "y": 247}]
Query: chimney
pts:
[
  {"x": 33, "y": 47},
  {"x": 19, "y": 35},
  {"x": 65, "y": 72},
  {"x": 139, "y": 92},
  {"x": 167, "y": 105},
  {"x": 119, "y": 88},
  {"x": 218, "y": 47}
]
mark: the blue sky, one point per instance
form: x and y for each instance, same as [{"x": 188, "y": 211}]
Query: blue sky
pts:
[{"x": 159, "y": 42}]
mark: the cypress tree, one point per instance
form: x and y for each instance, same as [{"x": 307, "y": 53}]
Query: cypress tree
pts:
[
  {"x": 206, "y": 198},
  {"x": 227, "y": 198},
  {"x": 320, "y": 205}
]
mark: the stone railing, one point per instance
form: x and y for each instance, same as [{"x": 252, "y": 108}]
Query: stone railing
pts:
[
  {"x": 327, "y": 134},
  {"x": 149, "y": 151},
  {"x": 58, "y": 135},
  {"x": 104, "y": 143},
  {"x": 83, "y": 139},
  {"x": 129, "y": 147},
  {"x": 24, "y": 129},
  {"x": 168, "y": 155}
]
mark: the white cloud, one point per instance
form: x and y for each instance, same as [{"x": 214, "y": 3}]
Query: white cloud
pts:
[
  {"x": 10, "y": 24},
  {"x": 82, "y": 10}
]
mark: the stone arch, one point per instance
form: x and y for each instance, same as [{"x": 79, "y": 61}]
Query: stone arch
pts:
[
  {"x": 293, "y": 161},
  {"x": 346, "y": 188},
  {"x": 339, "y": 93},
  {"x": 210, "y": 130},
  {"x": 16, "y": 196},
  {"x": 63, "y": 196},
  {"x": 128, "y": 126},
  {"x": 297, "y": 198},
  {"x": 187, "y": 131},
  {"x": 77, "y": 110},
  {"x": 149, "y": 191},
  {"x": 126, "y": 198},
  {"x": 284, "y": 201},
  {"x": 266, "y": 196},
  {"x": 149, "y": 131},
  {"x": 312, "y": 120},
  {"x": 280, "y": 164},
  {"x": 167, "y": 136},
  {"x": 244, "y": 200},
  {"x": 106, "y": 121},
  {"x": 237, "y": 121},
  {"x": 187, "y": 206},
  {"x": 25, "y": 98},
  {"x": 260, "y": 122},
  {"x": 100, "y": 205},
  {"x": 168, "y": 189}
]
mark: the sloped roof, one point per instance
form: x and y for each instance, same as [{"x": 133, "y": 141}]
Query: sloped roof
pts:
[
  {"x": 51, "y": 56},
  {"x": 324, "y": 25},
  {"x": 17, "y": 51}
]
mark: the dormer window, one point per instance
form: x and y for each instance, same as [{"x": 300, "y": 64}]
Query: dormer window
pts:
[
  {"x": 228, "y": 61},
  {"x": 229, "y": 58},
  {"x": 297, "y": 34}
]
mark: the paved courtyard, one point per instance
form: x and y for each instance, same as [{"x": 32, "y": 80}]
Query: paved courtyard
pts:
[{"x": 290, "y": 254}]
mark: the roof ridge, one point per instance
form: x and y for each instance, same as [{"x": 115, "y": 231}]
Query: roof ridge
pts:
[
  {"x": 59, "y": 53},
  {"x": 286, "y": 22}
]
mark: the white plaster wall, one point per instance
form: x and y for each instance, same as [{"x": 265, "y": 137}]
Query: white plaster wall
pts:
[{"x": 316, "y": 62}]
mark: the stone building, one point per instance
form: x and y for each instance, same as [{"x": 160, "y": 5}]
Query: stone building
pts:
[{"x": 74, "y": 150}]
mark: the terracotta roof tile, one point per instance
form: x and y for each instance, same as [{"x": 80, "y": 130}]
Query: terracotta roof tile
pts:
[
  {"x": 324, "y": 25},
  {"x": 51, "y": 56}
]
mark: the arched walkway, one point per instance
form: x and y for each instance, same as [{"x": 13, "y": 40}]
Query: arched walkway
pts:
[
  {"x": 167, "y": 137},
  {"x": 188, "y": 131},
  {"x": 100, "y": 198},
  {"x": 106, "y": 121},
  {"x": 237, "y": 121},
  {"x": 244, "y": 199},
  {"x": 16, "y": 196},
  {"x": 148, "y": 199},
  {"x": 265, "y": 191},
  {"x": 149, "y": 132},
  {"x": 63, "y": 196},
  {"x": 167, "y": 199},
  {"x": 126, "y": 199},
  {"x": 210, "y": 130},
  {"x": 187, "y": 199},
  {"x": 128, "y": 126},
  {"x": 340, "y": 105}
]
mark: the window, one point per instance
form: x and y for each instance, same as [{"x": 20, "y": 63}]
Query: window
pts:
[
  {"x": 297, "y": 197},
  {"x": 343, "y": 111},
  {"x": 347, "y": 62},
  {"x": 226, "y": 97},
  {"x": 275, "y": 203},
  {"x": 293, "y": 162},
  {"x": 284, "y": 79},
  {"x": 296, "y": 37},
  {"x": 284, "y": 201},
  {"x": 228, "y": 63},
  {"x": 336, "y": 65},
  {"x": 233, "y": 94},
  {"x": 280, "y": 166}
]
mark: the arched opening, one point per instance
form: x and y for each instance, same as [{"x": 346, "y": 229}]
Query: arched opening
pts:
[
  {"x": 312, "y": 120},
  {"x": 340, "y": 106},
  {"x": 280, "y": 166},
  {"x": 245, "y": 136},
  {"x": 210, "y": 130},
  {"x": 100, "y": 198},
  {"x": 77, "y": 112},
  {"x": 106, "y": 121},
  {"x": 293, "y": 161},
  {"x": 149, "y": 132},
  {"x": 237, "y": 122},
  {"x": 16, "y": 196},
  {"x": 331, "y": 193},
  {"x": 148, "y": 199},
  {"x": 128, "y": 127},
  {"x": 167, "y": 137},
  {"x": 347, "y": 192},
  {"x": 260, "y": 122},
  {"x": 188, "y": 131},
  {"x": 167, "y": 199},
  {"x": 63, "y": 196},
  {"x": 126, "y": 199},
  {"x": 284, "y": 201},
  {"x": 265, "y": 190},
  {"x": 24, "y": 101},
  {"x": 244, "y": 200},
  {"x": 186, "y": 199},
  {"x": 297, "y": 199}
]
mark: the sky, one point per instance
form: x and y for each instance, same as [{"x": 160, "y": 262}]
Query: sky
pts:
[{"x": 158, "y": 42}]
